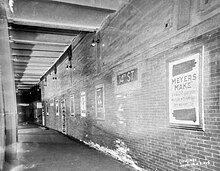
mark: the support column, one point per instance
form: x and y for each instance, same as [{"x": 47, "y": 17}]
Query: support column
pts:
[{"x": 8, "y": 87}]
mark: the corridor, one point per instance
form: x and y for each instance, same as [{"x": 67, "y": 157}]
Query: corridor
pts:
[
  {"x": 41, "y": 149},
  {"x": 134, "y": 82}
]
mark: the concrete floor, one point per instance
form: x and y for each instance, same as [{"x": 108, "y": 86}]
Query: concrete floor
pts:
[{"x": 47, "y": 150}]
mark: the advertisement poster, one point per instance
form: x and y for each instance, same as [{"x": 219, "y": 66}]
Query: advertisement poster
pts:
[
  {"x": 47, "y": 109},
  {"x": 99, "y": 97},
  {"x": 83, "y": 104},
  {"x": 184, "y": 91},
  {"x": 72, "y": 105},
  {"x": 63, "y": 109},
  {"x": 57, "y": 107}
]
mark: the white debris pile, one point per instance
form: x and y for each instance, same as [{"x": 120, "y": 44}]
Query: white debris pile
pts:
[
  {"x": 11, "y": 3},
  {"x": 120, "y": 153}
]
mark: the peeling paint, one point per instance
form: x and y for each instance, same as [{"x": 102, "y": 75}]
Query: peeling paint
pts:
[
  {"x": 11, "y": 4},
  {"x": 120, "y": 153}
]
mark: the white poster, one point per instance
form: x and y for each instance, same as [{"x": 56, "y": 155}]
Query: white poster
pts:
[
  {"x": 63, "y": 112},
  {"x": 39, "y": 105},
  {"x": 184, "y": 77},
  {"x": 83, "y": 104},
  {"x": 72, "y": 105},
  {"x": 99, "y": 102},
  {"x": 57, "y": 107}
]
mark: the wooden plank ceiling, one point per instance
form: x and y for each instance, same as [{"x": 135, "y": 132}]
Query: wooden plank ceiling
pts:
[{"x": 41, "y": 30}]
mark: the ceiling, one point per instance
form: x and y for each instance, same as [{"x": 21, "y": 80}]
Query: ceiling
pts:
[{"x": 41, "y": 30}]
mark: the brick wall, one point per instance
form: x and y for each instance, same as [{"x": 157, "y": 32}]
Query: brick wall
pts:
[{"x": 144, "y": 35}]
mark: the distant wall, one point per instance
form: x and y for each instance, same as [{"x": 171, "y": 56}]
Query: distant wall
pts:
[{"x": 149, "y": 39}]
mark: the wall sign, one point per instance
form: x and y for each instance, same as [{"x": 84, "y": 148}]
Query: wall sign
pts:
[
  {"x": 72, "y": 105},
  {"x": 127, "y": 77},
  {"x": 83, "y": 104},
  {"x": 57, "y": 107},
  {"x": 47, "y": 108},
  {"x": 39, "y": 105},
  {"x": 185, "y": 91},
  {"x": 43, "y": 115},
  {"x": 63, "y": 113},
  {"x": 99, "y": 101}
]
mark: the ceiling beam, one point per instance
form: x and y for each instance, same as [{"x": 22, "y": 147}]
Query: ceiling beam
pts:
[
  {"x": 32, "y": 42},
  {"x": 27, "y": 57},
  {"x": 73, "y": 16},
  {"x": 27, "y": 79},
  {"x": 36, "y": 50},
  {"x": 34, "y": 72},
  {"x": 49, "y": 61},
  {"x": 36, "y": 54},
  {"x": 29, "y": 28},
  {"x": 32, "y": 61},
  {"x": 99, "y": 4},
  {"x": 26, "y": 75},
  {"x": 38, "y": 71},
  {"x": 49, "y": 27},
  {"x": 29, "y": 68},
  {"x": 41, "y": 37},
  {"x": 24, "y": 87},
  {"x": 29, "y": 82},
  {"x": 37, "y": 47},
  {"x": 30, "y": 65}
]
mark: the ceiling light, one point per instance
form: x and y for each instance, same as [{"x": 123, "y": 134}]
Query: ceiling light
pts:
[{"x": 94, "y": 42}]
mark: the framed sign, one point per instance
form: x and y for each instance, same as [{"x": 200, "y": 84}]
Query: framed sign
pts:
[
  {"x": 83, "y": 104},
  {"x": 72, "y": 105},
  {"x": 57, "y": 107},
  {"x": 185, "y": 91},
  {"x": 127, "y": 77},
  {"x": 99, "y": 102},
  {"x": 39, "y": 105},
  {"x": 63, "y": 114}
]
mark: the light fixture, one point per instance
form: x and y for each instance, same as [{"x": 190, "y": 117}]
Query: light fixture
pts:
[
  {"x": 68, "y": 66},
  {"x": 55, "y": 72},
  {"x": 69, "y": 58},
  {"x": 94, "y": 42}
]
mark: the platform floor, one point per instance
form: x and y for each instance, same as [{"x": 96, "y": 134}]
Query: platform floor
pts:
[{"x": 40, "y": 149}]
